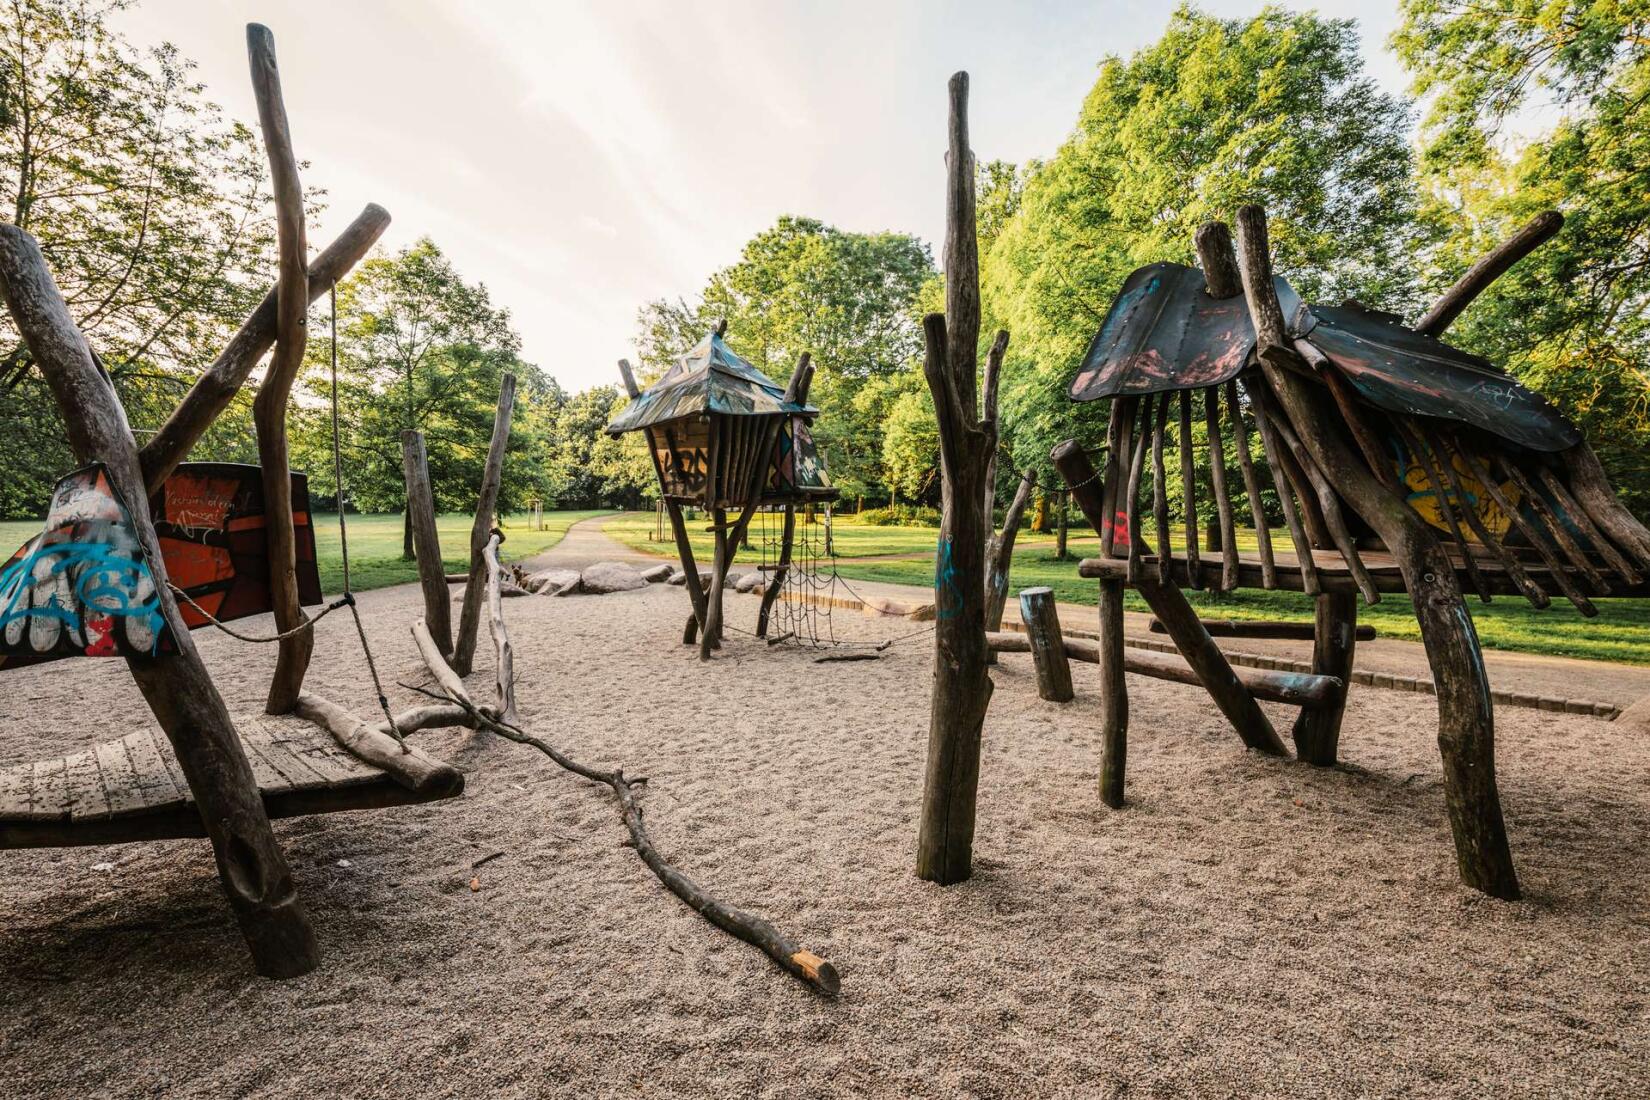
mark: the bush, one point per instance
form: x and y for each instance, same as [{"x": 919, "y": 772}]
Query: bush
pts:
[{"x": 900, "y": 516}]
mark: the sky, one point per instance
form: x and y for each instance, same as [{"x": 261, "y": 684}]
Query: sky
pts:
[{"x": 581, "y": 159}]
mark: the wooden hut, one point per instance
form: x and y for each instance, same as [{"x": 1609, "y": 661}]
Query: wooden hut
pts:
[
  {"x": 723, "y": 437},
  {"x": 1400, "y": 464}
]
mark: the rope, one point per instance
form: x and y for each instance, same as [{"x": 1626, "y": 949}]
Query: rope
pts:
[{"x": 346, "y": 598}]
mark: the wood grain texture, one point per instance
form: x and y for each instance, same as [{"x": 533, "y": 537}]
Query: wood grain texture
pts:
[
  {"x": 492, "y": 475},
  {"x": 432, "y": 577}
]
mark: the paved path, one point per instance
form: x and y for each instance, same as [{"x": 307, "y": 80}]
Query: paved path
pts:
[{"x": 1525, "y": 673}]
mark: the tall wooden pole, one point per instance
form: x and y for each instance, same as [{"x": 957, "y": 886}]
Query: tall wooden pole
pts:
[
  {"x": 469, "y": 616},
  {"x": 432, "y": 575},
  {"x": 176, "y": 685},
  {"x": 269, "y": 407},
  {"x": 962, "y": 688}
]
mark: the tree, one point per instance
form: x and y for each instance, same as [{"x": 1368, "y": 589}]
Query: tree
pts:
[
  {"x": 1273, "y": 109},
  {"x": 848, "y": 298},
  {"x": 1572, "y": 320},
  {"x": 151, "y": 210}
]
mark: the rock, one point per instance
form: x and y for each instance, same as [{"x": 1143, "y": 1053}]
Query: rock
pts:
[
  {"x": 1636, "y": 718},
  {"x": 748, "y": 582},
  {"x": 611, "y": 576},
  {"x": 677, "y": 577},
  {"x": 553, "y": 582},
  {"x": 653, "y": 574},
  {"x": 732, "y": 580}
]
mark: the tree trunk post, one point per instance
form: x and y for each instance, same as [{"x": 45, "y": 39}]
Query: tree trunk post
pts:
[
  {"x": 432, "y": 574},
  {"x": 1317, "y": 730},
  {"x": 1466, "y": 716},
  {"x": 1000, "y": 555},
  {"x": 270, "y": 406},
  {"x": 1048, "y": 644},
  {"x": 1114, "y": 696},
  {"x": 776, "y": 583},
  {"x": 177, "y": 687},
  {"x": 962, "y": 688},
  {"x": 710, "y": 637},
  {"x": 469, "y": 617}
]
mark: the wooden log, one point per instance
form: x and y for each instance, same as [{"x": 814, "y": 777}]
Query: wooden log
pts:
[
  {"x": 504, "y": 680},
  {"x": 1413, "y": 441},
  {"x": 1380, "y": 463},
  {"x": 1160, "y": 495},
  {"x": 1509, "y": 562},
  {"x": 810, "y": 968},
  {"x": 410, "y": 766},
  {"x": 1263, "y": 628},
  {"x": 1221, "y": 278},
  {"x": 1555, "y": 569},
  {"x": 1114, "y": 695},
  {"x": 1223, "y": 499},
  {"x": 1048, "y": 645},
  {"x": 1119, "y": 447},
  {"x": 432, "y": 577},
  {"x": 1589, "y": 530},
  {"x": 217, "y": 386},
  {"x": 1188, "y": 479},
  {"x": 988, "y": 411},
  {"x": 469, "y": 615},
  {"x": 1286, "y": 489},
  {"x": 1169, "y": 604},
  {"x": 1251, "y": 489},
  {"x": 449, "y": 681},
  {"x": 711, "y": 636},
  {"x": 185, "y": 702},
  {"x": 1329, "y": 506},
  {"x": 1487, "y": 270},
  {"x": 1000, "y": 552},
  {"x": 1317, "y": 730},
  {"x": 1466, "y": 724},
  {"x": 270, "y": 406},
  {"x": 1592, "y": 489},
  {"x": 1137, "y": 465},
  {"x": 1555, "y": 529},
  {"x": 961, "y": 688},
  {"x": 776, "y": 584}
]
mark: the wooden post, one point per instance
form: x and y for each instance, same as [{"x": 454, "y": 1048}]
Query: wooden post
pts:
[
  {"x": 1114, "y": 696},
  {"x": 776, "y": 583},
  {"x": 1048, "y": 645},
  {"x": 962, "y": 689},
  {"x": 1169, "y": 604},
  {"x": 176, "y": 686},
  {"x": 1000, "y": 551},
  {"x": 678, "y": 524},
  {"x": 1487, "y": 270},
  {"x": 1466, "y": 716},
  {"x": 269, "y": 407},
  {"x": 505, "y": 667},
  {"x": 1317, "y": 730},
  {"x": 469, "y": 616},
  {"x": 432, "y": 575}
]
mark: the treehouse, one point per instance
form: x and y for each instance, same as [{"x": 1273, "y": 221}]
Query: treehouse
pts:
[
  {"x": 1400, "y": 465},
  {"x": 725, "y": 436}
]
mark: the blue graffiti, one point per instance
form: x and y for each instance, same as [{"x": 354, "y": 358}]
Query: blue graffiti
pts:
[
  {"x": 948, "y": 597},
  {"x": 104, "y": 581}
]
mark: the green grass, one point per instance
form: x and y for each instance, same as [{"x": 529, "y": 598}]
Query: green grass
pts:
[{"x": 375, "y": 545}]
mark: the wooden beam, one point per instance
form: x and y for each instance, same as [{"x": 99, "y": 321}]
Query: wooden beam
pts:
[
  {"x": 177, "y": 687},
  {"x": 408, "y": 765},
  {"x": 469, "y": 615},
  {"x": 1114, "y": 695},
  {"x": 1478, "y": 277},
  {"x": 1262, "y": 628},
  {"x": 270, "y": 406},
  {"x": 1317, "y": 730},
  {"x": 1251, "y": 488},
  {"x": 432, "y": 577},
  {"x": 217, "y": 386}
]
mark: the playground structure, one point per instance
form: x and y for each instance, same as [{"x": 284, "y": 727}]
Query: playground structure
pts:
[
  {"x": 724, "y": 436},
  {"x": 1382, "y": 440}
]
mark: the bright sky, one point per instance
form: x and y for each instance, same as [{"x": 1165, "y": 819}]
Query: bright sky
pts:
[{"x": 583, "y": 158}]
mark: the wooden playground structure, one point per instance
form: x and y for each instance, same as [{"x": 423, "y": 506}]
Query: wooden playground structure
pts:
[
  {"x": 723, "y": 436},
  {"x": 1425, "y": 470}
]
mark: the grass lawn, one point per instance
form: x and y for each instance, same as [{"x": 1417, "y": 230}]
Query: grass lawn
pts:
[{"x": 375, "y": 545}]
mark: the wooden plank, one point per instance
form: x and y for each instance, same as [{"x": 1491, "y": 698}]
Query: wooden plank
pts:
[
  {"x": 155, "y": 779},
  {"x": 120, "y": 778},
  {"x": 84, "y": 784},
  {"x": 17, "y": 791},
  {"x": 279, "y": 749},
  {"x": 49, "y": 797},
  {"x": 269, "y": 779},
  {"x": 290, "y": 776},
  {"x": 173, "y": 768}
]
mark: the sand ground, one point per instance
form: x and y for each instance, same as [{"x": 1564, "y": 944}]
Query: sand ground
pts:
[{"x": 1243, "y": 927}]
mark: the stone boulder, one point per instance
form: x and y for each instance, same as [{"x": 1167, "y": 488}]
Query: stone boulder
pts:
[
  {"x": 553, "y": 582},
  {"x": 611, "y": 576},
  {"x": 748, "y": 583},
  {"x": 653, "y": 574}
]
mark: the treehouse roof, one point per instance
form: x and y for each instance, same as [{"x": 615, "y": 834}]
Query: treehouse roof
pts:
[
  {"x": 1164, "y": 333},
  {"x": 710, "y": 379}
]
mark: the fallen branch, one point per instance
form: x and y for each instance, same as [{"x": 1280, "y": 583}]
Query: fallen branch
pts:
[{"x": 818, "y": 973}]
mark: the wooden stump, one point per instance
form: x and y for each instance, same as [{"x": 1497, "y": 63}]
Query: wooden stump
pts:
[
  {"x": 1048, "y": 645},
  {"x": 1114, "y": 696},
  {"x": 432, "y": 577},
  {"x": 1317, "y": 731}
]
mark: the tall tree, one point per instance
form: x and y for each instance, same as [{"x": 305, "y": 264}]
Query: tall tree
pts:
[
  {"x": 1274, "y": 109},
  {"x": 150, "y": 208},
  {"x": 1572, "y": 320}
]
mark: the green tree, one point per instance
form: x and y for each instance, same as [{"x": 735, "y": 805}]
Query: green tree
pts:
[
  {"x": 1275, "y": 109},
  {"x": 151, "y": 210},
  {"x": 1573, "y": 320}
]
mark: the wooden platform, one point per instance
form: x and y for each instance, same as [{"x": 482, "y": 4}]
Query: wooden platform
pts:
[
  {"x": 132, "y": 789},
  {"x": 1336, "y": 577}
]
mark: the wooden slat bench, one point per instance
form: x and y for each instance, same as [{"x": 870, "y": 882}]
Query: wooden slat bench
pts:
[{"x": 132, "y": 789}]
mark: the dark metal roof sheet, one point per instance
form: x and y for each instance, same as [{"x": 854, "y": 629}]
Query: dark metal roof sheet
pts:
[
  {"x": 1397, "y": 369},
  {"x": 1164, "y": 332},
  {"x": 708, "y": 379}
]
